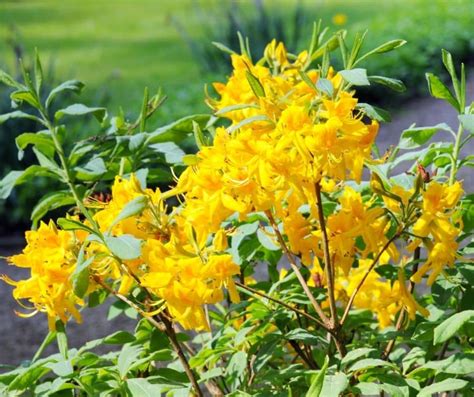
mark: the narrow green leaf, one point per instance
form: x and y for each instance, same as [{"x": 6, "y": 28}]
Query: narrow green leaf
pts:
[
  {"x": 223, "y": 48},
  {"x": 50, "y": 202},
  {"x": 71, "y": 224},
  {"x": 132, "y": 208},
  {"x": 8, "y": 80},
  {"x": 17, "y": 114},
  {"x": 440, "y": 91},
  {"x": 249, "y": 120},
  {"x": 15, "y": 178},
  {"x": 307, "y": 79},
  {"x": 255, "y": 84},
  {"x": 445, "y": 385},
  {"x": 119, "y": 338},
  {"x": 71, "y": 85},
  {"x": 318, "y": 380},
  {"x": 80, "y": 276},
  {"x": 394, "y": 84},
  {"x": 449, "y": 65},
  {"x": 385, "y": 47},
  {"x": 232, "y": 108},
  {"x": 38, "y": 72},
  {"x": 450, "y": 326},
  {"x": 198, "y": 136},
  {"x": 61, "y": 338}
]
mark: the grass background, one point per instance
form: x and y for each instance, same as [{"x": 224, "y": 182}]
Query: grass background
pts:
[{"x": 119, "y": 47}]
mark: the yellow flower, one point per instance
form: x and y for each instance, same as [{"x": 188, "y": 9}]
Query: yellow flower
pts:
[
  {"x": 50, "y": 256},
  {"x": 339, "y": 19}
]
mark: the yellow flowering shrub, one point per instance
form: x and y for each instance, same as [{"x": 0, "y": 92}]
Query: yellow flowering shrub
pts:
[{"x": 284, "y": 239}]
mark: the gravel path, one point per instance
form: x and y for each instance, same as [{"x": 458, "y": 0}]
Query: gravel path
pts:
[{"x": 19, "y": 338}]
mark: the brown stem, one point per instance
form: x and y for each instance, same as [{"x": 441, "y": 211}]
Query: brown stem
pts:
[
  {"x": 170, "y": 332},
  {"x": 263, "y": 295},
  {"x": 401, "y": 316},
  {"x": 166, "y": 326},
  {"x": 329, "y": 270},
  {"x": 294, "y": 267},
  {"x": 361, "y": 282}
]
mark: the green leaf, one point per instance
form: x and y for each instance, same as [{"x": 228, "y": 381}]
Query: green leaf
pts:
[
  {"x": 445, "y": 385},
  {"x": 334, "y": 385},
  {"x": 223, "y": 47},
  {"x": 414, "y": 137},
  {"x": 388, "y": 46},
  {"x": 71, "y": 224},
  {"x": 318, "y": 381},
  {"x": 467, "y": 121},
  {"x": 370, "y": 363},
  {"x": 302, "y": 335},
  {"x": 25, "y": 96},
  {"x": 450, "y": 326},
  {"x": 6, "y": 79},
  {"x": 50, "y": 202},
  {"x": 248, "y": 120},
  {"x": 255, "y": 84},
  {"x": 355, "y": 76},
  {"x": 143, "y": 388},
  {"x": 92, "y": 170},
  {"x": 440, "y": 91},
  {"x": 126, "y": 246},
  {"x": 394, "y": 84},
  {"x": 467, "y": 205},
  {"x": 119, "y": 338},
  {"x": 41, "y": 139},
  {"x": 179, "y": 129},
  {"x": 61, "y": 338},
  {"x": 61, "y": 368},
  {"x": 198, "y": 136},
  {"x": 128, "y": 355},
  {"x": 265, "y": 239},
  {"x": 132, "y": 208},
  {"x": 71, "y": 85},
  {"x": 17, "y": 114},
  {"x": 237, "y": 364},
  {"x": 232, "y": 108},
  {"x": 325, "y": 86},
  {"x": 38, "y": 72},
  {"x": 374, "y": 112},
  {"x": 79, "y": 109},
  {"x": 449, "y": 65},
  {"x": 304, "y": 76},
  {"x": 15, "y": 178},
  {"x": 80, "y": 276},
  {"x": 356, "y": 354}
]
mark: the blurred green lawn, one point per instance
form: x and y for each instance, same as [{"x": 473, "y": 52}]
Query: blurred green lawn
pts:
[{"x": 126, "y": 45}]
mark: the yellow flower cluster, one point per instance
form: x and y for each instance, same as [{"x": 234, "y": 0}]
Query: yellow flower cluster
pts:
[
  {"x": 439, "y": 221},
  {"x": 175, "y": 265},
  {"x": 50, "y": 255},
  {"x": 285, "y": 136},
  {"x": 292, "y": 133}
]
